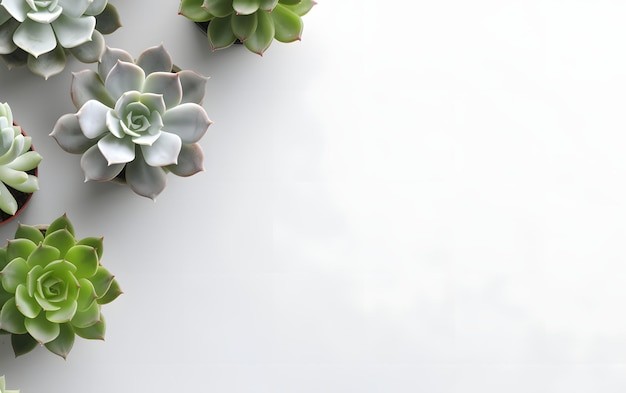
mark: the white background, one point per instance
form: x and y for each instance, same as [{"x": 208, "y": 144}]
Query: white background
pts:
[{"x": 420, "y": 196}]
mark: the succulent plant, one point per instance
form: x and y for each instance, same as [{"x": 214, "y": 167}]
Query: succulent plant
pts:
[
  {"x": 18, "y": 163},
  {"x": 3, "y": 388},
  {"x": 53, "y": 287},
  {"x": 136, "y": 120},
  {"x": 40, "y": 33},
  {"x": 255, "y": 23}
]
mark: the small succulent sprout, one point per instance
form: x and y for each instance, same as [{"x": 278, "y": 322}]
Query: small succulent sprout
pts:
[
  {"x": 136, "y": 120},
  {"x": 41, "y": 33},
  {"x": 255, "y": 23},
  {"x": 53, "y": 286},
  {"x": 3, "y": 388},
  {"x": 16, "y": 159}
]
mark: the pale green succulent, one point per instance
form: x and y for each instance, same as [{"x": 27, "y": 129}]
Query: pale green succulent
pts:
[
  {"x": 52, "y": 287},
  {"x": 40, "y": 33},
  {"x": 17, "y": 159},
  {"x": 255, "y": 23},
  {"x": 3, "y": 388},
  {"x": 136, "y": 120}
]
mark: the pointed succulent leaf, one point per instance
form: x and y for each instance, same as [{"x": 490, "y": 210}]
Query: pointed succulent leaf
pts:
[
  {"x": 93, "y": 332},
  {"x": 8, "y": 204},
  {"x": 27, "y": 161},
  {"x": 41, "y": 329},
  {"x": 74, "y": 8},
  {"x": 23, "y": 343},
  {"x": 84, "y": 258},
  {"x": 124, "y": 77},
  {"x": 17, "y": 8},
  {"x": 117, "y": 150},
  {"x": 243, "y": 26},
  {"x": 165, "y": 83},
  {"x": 302, "y": 7},
  {"x": 219, "y": 8},
  {"x": 108, "y": 20},
  {"x": 96, "y": 7},
  {"x": 3, "y": 259},
  {"x": 189, "y": 121},
  {"x": 26, "y": 304},
  {"x": 155, "y": 59},
  {"x": 190, "y": 160},
  {"x": 11, "y": 319},
  {"x": 194, "y": 86},
  {"x": 110, "y": 57},
  {"x": 111, "y": 294},
  {"x": 95, "y": 166},
  {"x": 20, "y": 248},
  {"x": 263, "y": 36},
  {"x": 91, "y": 118},
  {"x": 29, "y": 186},
  {"x": 9, "y": 175},
  {"x": 87, "y": 317},
  {"x": 35, "y": 38},
  {"x": 96, "y": 242},
  {"x": 145, "y": 180},
  {"x": 86, "y": 294},
  {"x": 61, "y": 240},
  {"x": 289, "y": 2},
  {"x": 101, "y": 281},
  {"x": 7, "y": 29},
  {"x": 14, "y": 274},
  {"x": 220, "y": 34},
  {"x": 192, "y": 10},
  {"x": 62, "y": 222},
  {"x": 268, "y": 5},
  {"x": 62, "y": 345},
  {"x": 64, "y": 314},
  {"x": 90, "y": 51},
  {"x": 288, "y": 25},
  {"x": 17, "y": 58},
  {"x": 71, "y": 32},
  {"x": 69, "y": 136},
  {"x": 246, "y": 7},
  {"x": 28, "y": 232},
  {"x": 87, "y": 85},
  {"x": 164, "y": 151}
]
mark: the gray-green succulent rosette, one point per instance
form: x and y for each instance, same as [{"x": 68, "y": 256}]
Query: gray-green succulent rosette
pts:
[
  {"x": 18, "y": 163},
  {"x": 3, "y": 388},
  {"x": 41, "y": 33},
  {"x": 255, "y": 23},
  {"x": 53, "y": 286},
  {"x": 136, "y": 120}
]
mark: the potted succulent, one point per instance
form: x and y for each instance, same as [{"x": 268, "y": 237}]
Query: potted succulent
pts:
[
  {"x": 3, "y": 388},
  {"x": 255, "y": 23},
  {"x": 53, "y": 286},
  {"x": 18, "y": 167},
  {"x": 137, "y": 120},
  {"x": 41, "y": 33}
]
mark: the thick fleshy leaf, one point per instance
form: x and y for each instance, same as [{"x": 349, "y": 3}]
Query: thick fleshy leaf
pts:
[
  {"x": 87, "y": 317},
  {"x": 27, "y": 161},
  {"x": 14, "y": 274},
  {"x": 117, "y": 150},
  {"x": 93, "y": 332},
  {"x": 20, "y": 248},
  {"x": 3, "y": 256},
  {"x": 302, "y": 7},
  {"x": 189, "y": 121},
  {"x": 101, "y": 281},
  {"x": 86, "y": 294},
  {"x": 48, "y": 64},
  {"x": 87, "y": 85},
  {"x": 41, "y": 329},
  {"x": 17, "y": 8},
  {"x": 108, "y": 20},
  {"x": 74, "y": 8},
  {"x": 26, "y": 304},
  {"x": 220, "y": 33},
  {"x": 145, "y": 180},
  {"x": 16, "y": 59},
  {"x": 95, "y": 166},
  {"x": 110, "y": 57},
  {"x": 60, "y": 223},
  {"x": 29, "y": 232},
  {"x": 268, "y": 5},
  {"x": 190, "y": 160},
  {"x": 8, "y": 204},
  {"x": 92, "y": 118},
  {"x": 11, "y": 176},
  {"x": 246, "y": 7},
  {"x": 11, "y": 319},
  {"x": 45, "y": 16},
  {"x": 194, "y": 86},
  {"x": 69, "y": 136},
  {"x": 91, "y": 51},
  {"x": 124, "y": 77},
  {"x": 111, "y": 294},
  {"x": 7, "y": 29},
  {"x": 243, "y": 25},
  {"x": 96, "y": 242},
  {"x": 29, "y": 186},
  {"x": 84, "y": 258},
  {"x": 43, "y": 255},
  {"x": 289, "y": 2},
  {"x": 60, "y": 240},
  {"x": 155, "y": 59},
  {"x": 192, "y": 10},
  {"x": 218, "y": 8},
  {"x": 164, "y": 151},
  {"x": 264, "y": 34},
  {"x": 23, "y": 343},
  {"x": 72, "y": 32},
  {"x": 165, "y": 83},
  {"x": 62, "y": 345},
  {"x": 96, "y": 7},
  {"x": 288, "y": 25},
  {"x": 35, "y": 38},
  {"x": 63, "y": 314}
]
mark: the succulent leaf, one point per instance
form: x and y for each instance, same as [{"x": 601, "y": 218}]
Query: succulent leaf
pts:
[
  {"x": 11, "y": 319},
  {"x": 112, "y": 293},
  {"x": 287, "y": 23},
  {"x": 190, "y": 161},
  {"x": 192, "y": 10},
  {"x": 22, "y": 343},
  {"x": 41, "y": 328},
  {"x": 302, "y": 7},
  {"x": 108, "y": 21},
  {"x": 20, "y": 248},
  {"x": 220, "y": 34},
  {"x": 7, "y": 29},
  {"x": 14, "y": 273},
  {"x": 62, "y": 345},
  {"x": 95, "y": 166},
  {"x": 26, "y": 232},
  {"x": 68, "y": 134},
  {"x": 61, "y": 223},
  {"x": 8, "y": 204},
  {"x": 219, "y": 8},
  {"x": 194, "y": 86},
  {"x": 263, "y": 36},
  {"x": 155, "y": 59},
  {"x": 92, "y": 332},
  {"x": 189, "y": 121},
  {"x": 243, "y": 25},
  {"x": 90, "y": 51},
  {"x": 268, "y": 5},
  {"x": 246, "y": 7},
  {"x": 145, "y": 180}
]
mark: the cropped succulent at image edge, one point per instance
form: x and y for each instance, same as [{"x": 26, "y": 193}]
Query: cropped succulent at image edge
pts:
[
  {"x": 41, "y": 33},
  {"x": 137, "y": 120},
  {"x": 53, "y": 286},
  {"x": 255, "y": 23},
  {"x": 16, "y": 159},
  {"x": 3, "y": 388}
]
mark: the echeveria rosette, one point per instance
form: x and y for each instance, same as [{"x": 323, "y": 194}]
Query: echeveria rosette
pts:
[
  {"x": 255, "y": 23},
  {"x": 40, "y": 33},
  {"x": 136, "y": 119},
  {"x": 16, "y": 159},
  {"x": 53, "y": 286},
  {"x": 3, "y": 388}
]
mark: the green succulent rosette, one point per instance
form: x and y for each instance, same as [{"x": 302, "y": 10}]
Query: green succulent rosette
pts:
[
  {"x": 255, "y": 23},
  {"x": 3, "y": 388},
  {"x": 41, "y": 33},
  {"x": 53, "y": 286}
]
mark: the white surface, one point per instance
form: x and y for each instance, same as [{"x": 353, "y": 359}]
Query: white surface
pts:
[{"x": 418, "y": 197}]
